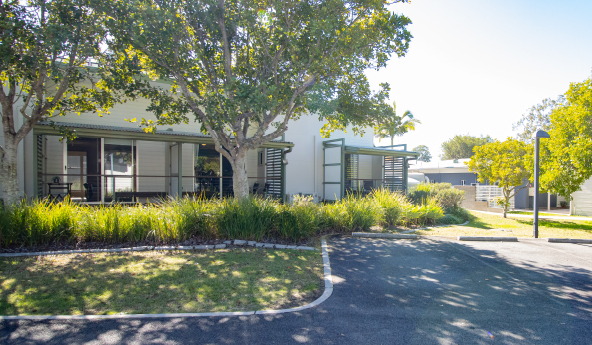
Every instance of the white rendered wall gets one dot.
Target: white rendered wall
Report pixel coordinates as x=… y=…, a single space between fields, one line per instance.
x=301 y=171
x=582 y=200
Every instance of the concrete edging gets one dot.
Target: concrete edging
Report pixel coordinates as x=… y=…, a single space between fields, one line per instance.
x=326 y=294
x=144 y=248
x=488 y=238
x=382 y=235
x=569 y=240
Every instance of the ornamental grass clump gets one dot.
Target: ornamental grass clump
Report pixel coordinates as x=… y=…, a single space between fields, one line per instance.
x=249 y=218
x=355 y=212
x=419 y=215
x=37 y=223
x=299 y=220
x=393 y=203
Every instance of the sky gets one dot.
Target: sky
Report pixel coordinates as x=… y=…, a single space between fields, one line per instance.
x=476 y=66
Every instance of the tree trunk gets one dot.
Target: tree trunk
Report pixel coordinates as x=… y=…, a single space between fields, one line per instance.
x=8 y=176
x=505 y=210
x=240 y=183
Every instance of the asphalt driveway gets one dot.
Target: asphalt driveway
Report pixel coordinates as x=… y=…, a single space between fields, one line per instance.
x=385 y=292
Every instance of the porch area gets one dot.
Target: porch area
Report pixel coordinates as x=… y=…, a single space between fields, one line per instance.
x=106 y=164
x=359 y=169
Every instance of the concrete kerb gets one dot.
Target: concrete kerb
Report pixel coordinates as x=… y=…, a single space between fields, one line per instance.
x=569 y=240
x=488 y=238
x=384 y=235
x=326 y=294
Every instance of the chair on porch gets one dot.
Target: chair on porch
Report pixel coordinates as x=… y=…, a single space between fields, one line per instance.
x=89 y=191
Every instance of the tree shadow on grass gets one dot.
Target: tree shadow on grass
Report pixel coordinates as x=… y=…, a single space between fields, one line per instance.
x=560 y=224
x=156 y=283
x=478 y=223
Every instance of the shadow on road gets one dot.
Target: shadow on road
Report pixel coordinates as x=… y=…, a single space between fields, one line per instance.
x=422 y=292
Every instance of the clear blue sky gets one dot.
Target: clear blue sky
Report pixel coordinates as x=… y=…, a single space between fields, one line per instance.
x=475 y=66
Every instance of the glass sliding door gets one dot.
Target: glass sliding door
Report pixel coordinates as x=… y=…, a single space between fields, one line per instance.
x=206 y=167
x=119 y=174
x=76 y=172
x=82 y=169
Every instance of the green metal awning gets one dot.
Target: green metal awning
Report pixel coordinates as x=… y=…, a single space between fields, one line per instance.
x=378 y=151
x=115 y=132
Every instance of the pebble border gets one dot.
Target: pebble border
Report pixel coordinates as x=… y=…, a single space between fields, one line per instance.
x=144 y=248
x=326 y=294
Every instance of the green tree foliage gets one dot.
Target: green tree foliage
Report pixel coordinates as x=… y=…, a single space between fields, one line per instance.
x=425 y=155
x=566 y=158
x=47 y=53
x=537 y=118
x=245 y=68
x=462 y=146
x=394 y=125
x=509 y=163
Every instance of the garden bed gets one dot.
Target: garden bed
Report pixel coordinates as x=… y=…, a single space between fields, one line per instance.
x=42 y=225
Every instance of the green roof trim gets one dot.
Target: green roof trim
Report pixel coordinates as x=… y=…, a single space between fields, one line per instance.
x=377 y=151
x=116 y=132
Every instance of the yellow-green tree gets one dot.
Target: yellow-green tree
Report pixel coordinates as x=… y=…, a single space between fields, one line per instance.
x=509 y=163
x=566 y=158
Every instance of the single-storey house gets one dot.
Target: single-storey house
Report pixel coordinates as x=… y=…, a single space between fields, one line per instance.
x=113 y=159
x=457 y=173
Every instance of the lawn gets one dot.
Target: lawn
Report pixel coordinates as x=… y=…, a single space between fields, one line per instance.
x=159 y=282
x=543 y=214
x=493 y=225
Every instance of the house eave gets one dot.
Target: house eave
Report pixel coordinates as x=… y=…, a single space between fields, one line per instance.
x=94 y=131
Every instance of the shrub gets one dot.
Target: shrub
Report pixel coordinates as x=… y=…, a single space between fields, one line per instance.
x=421 y=193
x=427 y=213
x=461 y=213
x=450 y=219
x=446 y=196
x=449 y=198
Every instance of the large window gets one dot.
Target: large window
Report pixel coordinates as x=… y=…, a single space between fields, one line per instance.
x=210 y=175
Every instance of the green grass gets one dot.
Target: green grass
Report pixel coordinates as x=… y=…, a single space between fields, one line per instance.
x=489 y=225
x=159 y=282
x=543 y=214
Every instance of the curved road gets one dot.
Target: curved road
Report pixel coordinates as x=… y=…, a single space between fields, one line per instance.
x=390 y=292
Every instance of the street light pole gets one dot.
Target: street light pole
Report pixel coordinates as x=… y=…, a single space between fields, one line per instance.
x=535 y=223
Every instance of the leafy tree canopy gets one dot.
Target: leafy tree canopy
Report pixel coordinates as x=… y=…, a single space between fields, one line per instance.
x=566 y=158
x=537 y=118
x=425 y=155
x=509 y=163
x=50 y=51
x=245 y=68
x=462 y=146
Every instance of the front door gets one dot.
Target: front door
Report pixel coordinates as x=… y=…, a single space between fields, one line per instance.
x=76 y=170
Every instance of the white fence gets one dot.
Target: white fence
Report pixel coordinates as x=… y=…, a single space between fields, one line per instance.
x=489 y=194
